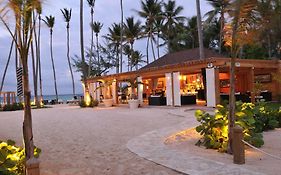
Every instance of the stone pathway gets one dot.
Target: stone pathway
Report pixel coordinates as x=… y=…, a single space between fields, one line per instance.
x=151 y=147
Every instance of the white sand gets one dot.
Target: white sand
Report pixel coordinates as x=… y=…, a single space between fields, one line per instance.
x=256 y=161
x=90 y=141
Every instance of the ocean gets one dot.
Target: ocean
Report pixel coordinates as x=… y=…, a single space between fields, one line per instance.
x=63 y=97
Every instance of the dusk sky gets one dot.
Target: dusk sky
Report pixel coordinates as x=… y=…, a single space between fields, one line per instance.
x=106 y=11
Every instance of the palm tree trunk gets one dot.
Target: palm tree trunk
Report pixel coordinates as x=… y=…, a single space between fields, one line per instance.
x=200 y=31
x=132 y=50
x=117 y=59
x=158 y=44
x=152 y=47
x=98 y=53
x=147 y=46
x=53 y=64
x=269 y=46
x=34 y=75
x=7 y=65
x=92 y=41
x=121 y=36
x=36 y=67
x=69 y=63
x=221 y=32
x=39 y=58
x=27 y=123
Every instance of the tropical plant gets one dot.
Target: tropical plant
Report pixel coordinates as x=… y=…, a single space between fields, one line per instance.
x=242 y=15
x=133 y=84
x=214 y=128
x=50 y=22
x=91 y=4
x=67 y=17
x=200 y=30
x=137 y=59
x=150 y=11
x=114 y=39
x=13 y=158
x=132 y=32
x=172 y=19
x=219 y=9
x=121 y=36
x=96 y=27
x=23 y=11
x=266 y=117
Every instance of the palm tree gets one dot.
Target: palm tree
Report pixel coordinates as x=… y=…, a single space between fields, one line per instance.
x=172 y=19
x=200 y=30
x=114 y=38
x=50 y=22
x=150 y=11
x=91 y=4
x=121 y=36
x=67 y=17
x=242 y=13
x=39 y=54
x=132 y=32
x=219 y=8
x=96 y=27
x=23 y=12
x=136 y=59
x=158 y=24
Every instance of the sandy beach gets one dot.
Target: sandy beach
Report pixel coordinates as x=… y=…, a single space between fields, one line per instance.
x=90 y=141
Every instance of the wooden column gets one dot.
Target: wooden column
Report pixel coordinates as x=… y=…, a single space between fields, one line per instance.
x=8 y=98
x=217 y=85
x=278 y=83
x=114 y=92
x=252 y=83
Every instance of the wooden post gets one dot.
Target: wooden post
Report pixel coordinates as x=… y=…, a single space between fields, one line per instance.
x=32 y=167
x=252 y=83
x=217 y=85
x=238 y=146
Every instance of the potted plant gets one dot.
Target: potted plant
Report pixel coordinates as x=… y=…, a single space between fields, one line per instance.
x=133 y=98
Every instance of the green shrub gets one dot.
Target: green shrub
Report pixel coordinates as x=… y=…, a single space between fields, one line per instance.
x=267 y=118
x=82 y=104
x=214 y=128
x=13 y=107
x=93 y=103
x=12 y=158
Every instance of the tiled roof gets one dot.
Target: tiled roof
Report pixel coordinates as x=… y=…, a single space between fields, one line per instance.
x=181 y=57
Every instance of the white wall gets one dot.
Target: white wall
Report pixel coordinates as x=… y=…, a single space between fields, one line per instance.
x=177 y=94
x=169 y=98
x=140 y=90
x=211 y=87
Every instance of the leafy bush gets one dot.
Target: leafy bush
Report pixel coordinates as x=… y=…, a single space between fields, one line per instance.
x=267 y=118
x=13 y=107
x=12 y=158
x=214 y=128
x=93 y=103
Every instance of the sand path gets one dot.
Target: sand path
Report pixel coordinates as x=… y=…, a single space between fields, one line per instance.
x=90 y=141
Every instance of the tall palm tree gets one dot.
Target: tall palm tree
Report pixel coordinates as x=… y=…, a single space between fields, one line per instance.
x=219 y=8
x=50 y=22
x=137 y=59
x=96 y=27
x=91 y=4
x=200 y=30
x=67 y=17
x=23 y=12
x=114 y=38
x=132 y=31
x=39 y=54
x=242 y=13
x=158 y=24
x=150 y=11
x=121 y=35
x=172 y=19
